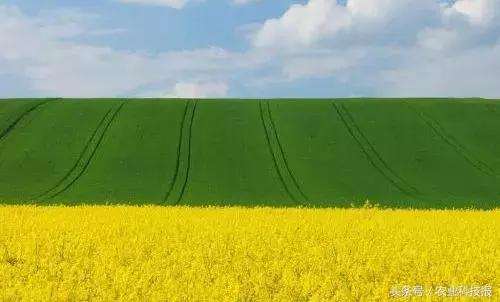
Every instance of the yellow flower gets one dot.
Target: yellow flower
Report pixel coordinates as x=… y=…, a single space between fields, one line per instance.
x=237 y=254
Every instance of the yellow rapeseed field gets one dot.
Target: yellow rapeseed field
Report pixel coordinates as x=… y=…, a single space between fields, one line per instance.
x=234 y=254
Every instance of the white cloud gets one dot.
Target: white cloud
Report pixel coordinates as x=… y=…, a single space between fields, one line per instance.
x=323 y=20
x=470 y=73
x=303 y=25
x=194 y=90
x=38 y=50
x=189 y=89
x=478 y=12
x=385 y=47
x=373 y=9
x=464 y=24
x=55 y=65
x=437 y=38
x=394 y=47
x=318 y=65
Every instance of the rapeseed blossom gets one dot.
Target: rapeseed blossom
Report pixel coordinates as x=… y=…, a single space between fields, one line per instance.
x=124 y=253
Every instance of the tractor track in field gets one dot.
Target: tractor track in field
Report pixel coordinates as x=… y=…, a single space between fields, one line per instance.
x=375 y=152
x=371 y=153
x=85 y=156
x=451 y=141
x=178 y=154
x=285 y=174
x=282 y=152
x=180 y=178
x=21 y=116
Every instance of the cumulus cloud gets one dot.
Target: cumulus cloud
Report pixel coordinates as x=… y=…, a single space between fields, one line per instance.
x=478 y=12
x=464 y=24
x=305 y=25
x=385 y=47
x=395 y=47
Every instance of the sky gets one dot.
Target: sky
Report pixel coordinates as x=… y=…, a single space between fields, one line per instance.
x=250 y=48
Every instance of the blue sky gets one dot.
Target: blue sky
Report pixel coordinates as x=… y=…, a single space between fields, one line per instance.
x=249 y=48
x=197 y=25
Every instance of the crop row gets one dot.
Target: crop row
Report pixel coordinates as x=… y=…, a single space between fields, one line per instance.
x=300 y=152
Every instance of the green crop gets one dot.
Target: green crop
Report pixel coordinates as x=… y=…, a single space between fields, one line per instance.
x=422 y=153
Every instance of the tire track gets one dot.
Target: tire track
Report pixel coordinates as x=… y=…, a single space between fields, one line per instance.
x=285 y=174
x=21 y=116
x=451 y=141
x=268 y=140
x=372 y=155
x=180 y=178
x=178 y=154
x=82 y=163
x=376 y=153
x=285 y=161
x=80 y=157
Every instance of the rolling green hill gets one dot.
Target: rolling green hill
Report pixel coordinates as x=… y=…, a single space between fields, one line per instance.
x=423 y=153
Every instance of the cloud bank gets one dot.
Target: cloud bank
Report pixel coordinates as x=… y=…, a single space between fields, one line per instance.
x=378 y=47
x=396 y=47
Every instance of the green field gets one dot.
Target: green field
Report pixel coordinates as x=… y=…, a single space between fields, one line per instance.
x=441 y=153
